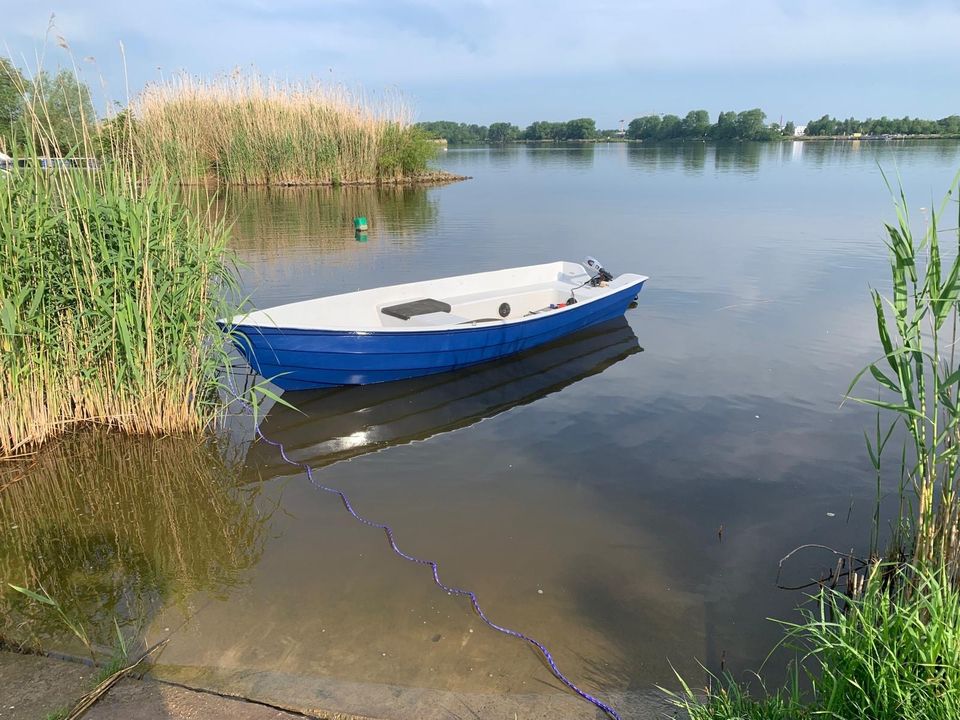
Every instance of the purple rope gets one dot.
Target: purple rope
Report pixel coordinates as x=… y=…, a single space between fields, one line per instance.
x=436 y=578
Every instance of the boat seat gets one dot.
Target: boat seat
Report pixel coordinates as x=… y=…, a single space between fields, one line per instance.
x=407 y=310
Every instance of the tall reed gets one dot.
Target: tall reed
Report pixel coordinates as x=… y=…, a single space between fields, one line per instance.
x=110 y=289
x=919 y=380
x=246 y=130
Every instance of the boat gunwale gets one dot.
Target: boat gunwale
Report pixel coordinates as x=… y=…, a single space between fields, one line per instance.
x=474 y=325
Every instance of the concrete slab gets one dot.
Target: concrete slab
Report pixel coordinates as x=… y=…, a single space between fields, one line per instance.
x=151 y=700
x=32 y=686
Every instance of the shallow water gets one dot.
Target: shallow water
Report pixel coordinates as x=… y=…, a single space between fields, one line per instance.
x=623 y=496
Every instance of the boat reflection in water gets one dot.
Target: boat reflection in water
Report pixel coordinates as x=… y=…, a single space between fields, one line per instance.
x=336 y=424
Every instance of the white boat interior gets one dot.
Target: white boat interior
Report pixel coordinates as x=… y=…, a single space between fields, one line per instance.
x=500 y=296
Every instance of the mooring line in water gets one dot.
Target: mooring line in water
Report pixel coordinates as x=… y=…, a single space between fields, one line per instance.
x=436 y=579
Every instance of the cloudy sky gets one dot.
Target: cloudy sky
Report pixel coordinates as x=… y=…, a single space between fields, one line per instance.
x=489 y=60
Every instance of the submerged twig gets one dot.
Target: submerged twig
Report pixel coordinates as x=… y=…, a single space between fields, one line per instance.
x=832 y=576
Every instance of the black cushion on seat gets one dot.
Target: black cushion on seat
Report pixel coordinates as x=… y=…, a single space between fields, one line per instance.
x=407 y=310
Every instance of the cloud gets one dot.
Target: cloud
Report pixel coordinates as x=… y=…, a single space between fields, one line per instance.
x=438 y=46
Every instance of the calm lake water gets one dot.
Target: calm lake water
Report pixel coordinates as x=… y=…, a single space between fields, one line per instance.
x=623 y=496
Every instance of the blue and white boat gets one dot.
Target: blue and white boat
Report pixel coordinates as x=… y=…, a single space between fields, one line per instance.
x=421 y=328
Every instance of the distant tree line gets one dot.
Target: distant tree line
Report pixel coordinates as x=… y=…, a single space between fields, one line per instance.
x=695 y=125
x=884 y=126
x=463 y=134
x=62 y=100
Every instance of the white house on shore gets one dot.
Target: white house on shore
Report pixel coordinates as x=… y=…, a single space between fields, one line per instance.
x=799 y=130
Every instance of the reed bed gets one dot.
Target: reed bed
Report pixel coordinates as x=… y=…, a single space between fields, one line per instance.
x=400 y=212
x=918 y=388
x=110 y=289
x=244 y=129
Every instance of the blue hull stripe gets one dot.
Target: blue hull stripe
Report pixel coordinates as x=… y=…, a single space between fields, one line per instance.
x=299 y=359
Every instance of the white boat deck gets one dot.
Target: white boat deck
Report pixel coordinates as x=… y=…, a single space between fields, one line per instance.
x=472 y=299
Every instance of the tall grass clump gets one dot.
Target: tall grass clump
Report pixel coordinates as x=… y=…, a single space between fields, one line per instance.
x=110 y=289
x=888 y=646
x=246 y=130
x=920 y=374
x=892 y=652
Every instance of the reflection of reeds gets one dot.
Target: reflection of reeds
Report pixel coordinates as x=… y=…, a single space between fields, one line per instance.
x=246 y=130
x=113 y=526
x=317 y=213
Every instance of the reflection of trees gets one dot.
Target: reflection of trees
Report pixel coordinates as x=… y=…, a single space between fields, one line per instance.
x=114 y=526
x=645 y=156
x=266 y=216
x=692 y=156
x=571 y=154
x=743 y=157
x=824 y=152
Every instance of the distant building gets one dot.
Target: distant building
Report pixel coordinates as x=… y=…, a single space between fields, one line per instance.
x=799 y=130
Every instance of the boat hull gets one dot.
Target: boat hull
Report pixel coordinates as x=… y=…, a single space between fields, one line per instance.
x=301 y=359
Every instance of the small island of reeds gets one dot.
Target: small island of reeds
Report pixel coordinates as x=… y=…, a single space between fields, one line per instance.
x=247 y=130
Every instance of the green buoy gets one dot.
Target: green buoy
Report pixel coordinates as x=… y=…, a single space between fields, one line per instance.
x=360 y=223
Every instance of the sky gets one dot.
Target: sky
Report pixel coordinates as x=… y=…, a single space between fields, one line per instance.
x=486 y=61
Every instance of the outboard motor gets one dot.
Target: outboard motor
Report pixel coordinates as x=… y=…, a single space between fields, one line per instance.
x=596 y=272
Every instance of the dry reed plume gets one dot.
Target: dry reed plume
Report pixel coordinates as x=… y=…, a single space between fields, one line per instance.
x=247 y=130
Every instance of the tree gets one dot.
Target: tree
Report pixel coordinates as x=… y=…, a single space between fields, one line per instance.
x=539 y=130
x=644 y=128
x=63 y=104
x=455 y=133
x=11 y=102
x=696 y=124
x=824 y=126
x=750 y=125
x=949 y=125
x=500 y=132
x=790 y=129
x=580 y=129
x=725 y=127
x=670 y=127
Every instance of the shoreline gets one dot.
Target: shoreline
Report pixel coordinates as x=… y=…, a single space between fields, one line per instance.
x=708 y=141
x=432 y=179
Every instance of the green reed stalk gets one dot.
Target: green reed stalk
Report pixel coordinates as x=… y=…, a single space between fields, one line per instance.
x=110 y=289
x=921 y=381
